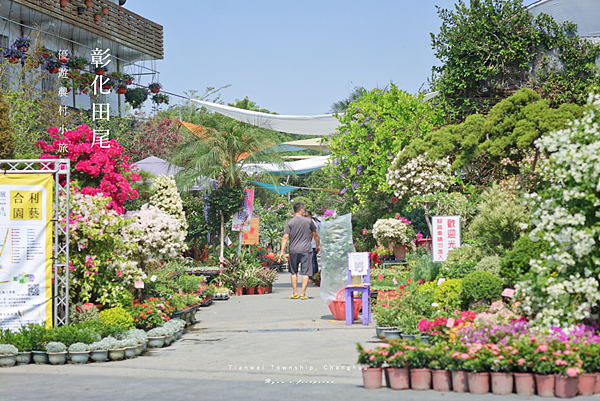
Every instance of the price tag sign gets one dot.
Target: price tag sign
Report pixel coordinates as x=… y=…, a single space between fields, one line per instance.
x=358 y=263
x=153 y=278
x=395 y=281
x=450 y=323
x=138 y=284
x=508 y=292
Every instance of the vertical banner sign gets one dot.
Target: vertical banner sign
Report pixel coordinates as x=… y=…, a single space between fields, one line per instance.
x=243 y=218
x=25 y=249
x=251 y=237
x=446 y=236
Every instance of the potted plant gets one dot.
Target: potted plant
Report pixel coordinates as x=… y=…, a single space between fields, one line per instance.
x=372 y=372
x=21 y=341
x=63 y=3
x=156 y=337
x=398 y=232
x=128 y=79
x=37 y=339
x=120 y=87
x=460 y=382
x=417 y=359
x=160 y=98
x=88 y=3
x=523 y=365
x=155 y=87
x=52 y=65
x=567 y=371
x=544 y=369
x=57 y=353
x=101 y=70
x=97 y=16
x=397 y=374
x=478 y=368
x=13 y=55
x=22 y=44
x=99 y=351
x=440 y=363
x=45 y=52
x=8 y=355
x=77 y=62
x=105 y=9
x=317 y=278
x=501 y=369
x=130 y=345
x=81 y=8
x=116 y=349
x=588 y=352
x=136 y=97
x=79 y=353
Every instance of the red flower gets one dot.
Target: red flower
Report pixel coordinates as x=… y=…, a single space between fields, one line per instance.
x=394 y=199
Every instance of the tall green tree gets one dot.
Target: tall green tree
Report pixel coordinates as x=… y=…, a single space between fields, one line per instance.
x=7 y=144
x=490 y=48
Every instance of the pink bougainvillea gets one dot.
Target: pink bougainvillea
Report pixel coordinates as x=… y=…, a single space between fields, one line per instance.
x=98 y=169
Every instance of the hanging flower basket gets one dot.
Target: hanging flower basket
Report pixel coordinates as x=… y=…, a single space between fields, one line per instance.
x=122 y=91
x=100 y=71
x=160 y=98
x=155 y=87
x=53 y=70
x=106 y=86
x=136 y=97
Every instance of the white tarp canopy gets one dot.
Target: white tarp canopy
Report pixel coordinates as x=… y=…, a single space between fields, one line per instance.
x=304 y=125
x=585 y=13
x=157 y=166
x=289 y=168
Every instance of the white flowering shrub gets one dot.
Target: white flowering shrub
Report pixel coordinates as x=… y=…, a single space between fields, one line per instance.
x=561 y=288
x=420 y=176
x=153 y=234
x=393 y=231
x=166 y=197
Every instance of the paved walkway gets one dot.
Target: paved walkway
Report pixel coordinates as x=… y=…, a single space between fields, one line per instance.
x=250 y=347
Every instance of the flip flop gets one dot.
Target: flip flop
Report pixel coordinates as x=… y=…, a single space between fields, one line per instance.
x=294 y=297
x=304 y=297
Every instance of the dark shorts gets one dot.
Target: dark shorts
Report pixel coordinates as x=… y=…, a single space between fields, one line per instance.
x=302 y=259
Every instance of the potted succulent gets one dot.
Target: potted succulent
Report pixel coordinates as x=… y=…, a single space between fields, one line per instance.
x=57 y=353
x=22 y=44
x=81 y=8
x=99 y=351
x=97 y=16
x=130 y=345
x=8 y=355
x=79 y=353
x=116 y=350
x=141 y=339
x=155 y=87
x=136 y=97
x=156 y=337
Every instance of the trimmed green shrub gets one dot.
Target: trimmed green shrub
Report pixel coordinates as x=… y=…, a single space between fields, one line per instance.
x=117 y=317
x=490 y=264
x=464 y=253
x=456 y=269
x=516 y=262
x=448 y=294
x=478 y=286
x=425 y=269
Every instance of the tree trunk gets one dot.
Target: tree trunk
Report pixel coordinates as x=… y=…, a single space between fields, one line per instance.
x=222 y=236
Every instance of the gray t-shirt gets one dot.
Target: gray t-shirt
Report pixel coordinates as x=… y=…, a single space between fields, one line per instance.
x=299 y=229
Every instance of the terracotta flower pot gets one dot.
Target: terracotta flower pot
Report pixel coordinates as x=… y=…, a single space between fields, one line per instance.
x=105 y=11
x=397 y=378
x=525 y=383
x=155 y=90
x=260 y=290
x=442 y=380
x=460 y=383
x=400 y=251
x=479 y=383
x=45 y=55
x=99 y=71
x=106 y=86
x=250 y=290
x=566 y=387
x=23 y=49
x=372 y=378
x=88 y=3
x=420 y=379
x=318 y=283
x=597 y=387
x=13 y=60
x=54 y=70
x=122 y=91
x=97 y=17
x=502 y=383
x=62 y=59
x=545 y=385
x=587 y=382
x=239 y=291
x=63 y=3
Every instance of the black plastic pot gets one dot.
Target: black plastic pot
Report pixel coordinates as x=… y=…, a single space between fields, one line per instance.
x=80 y=10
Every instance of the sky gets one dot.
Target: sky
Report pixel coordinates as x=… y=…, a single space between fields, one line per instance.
x=294 y=57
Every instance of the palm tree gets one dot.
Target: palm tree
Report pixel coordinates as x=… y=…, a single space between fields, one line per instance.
x=220 y=152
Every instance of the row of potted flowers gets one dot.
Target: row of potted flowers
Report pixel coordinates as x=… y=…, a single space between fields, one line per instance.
x=526 y=365
x=133 y=343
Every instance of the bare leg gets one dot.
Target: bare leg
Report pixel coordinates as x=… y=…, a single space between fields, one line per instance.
x=304 y=285
x=295 y=283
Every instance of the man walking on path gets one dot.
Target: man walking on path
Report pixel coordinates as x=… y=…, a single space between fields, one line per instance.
x=315 y=264
x=300 y=231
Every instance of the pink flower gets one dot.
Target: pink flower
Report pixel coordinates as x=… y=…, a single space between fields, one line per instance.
x=364 y=231
x=371 y=357
x=380 y=277
x=542 y=348
x=455 y=355
x=521 y=361
x=572 y=372
x=464 y=356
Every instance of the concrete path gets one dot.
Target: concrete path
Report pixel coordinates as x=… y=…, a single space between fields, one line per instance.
x=249 y=347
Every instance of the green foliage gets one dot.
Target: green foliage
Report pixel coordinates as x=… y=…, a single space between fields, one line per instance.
x=516 y=262
x=193 y=206
x=223 y=201
x=425 y=269
x=490 y=264
x=497 y=226
x=379 y=125
x=478 y=286
x=479 y=144
x=7 y=144
x=444 y=204
x=117 y=317
x=457 y=269
x=72 y=334
x=136 y=97
x=489 y=47
x=448 y=294
x=78 y=314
